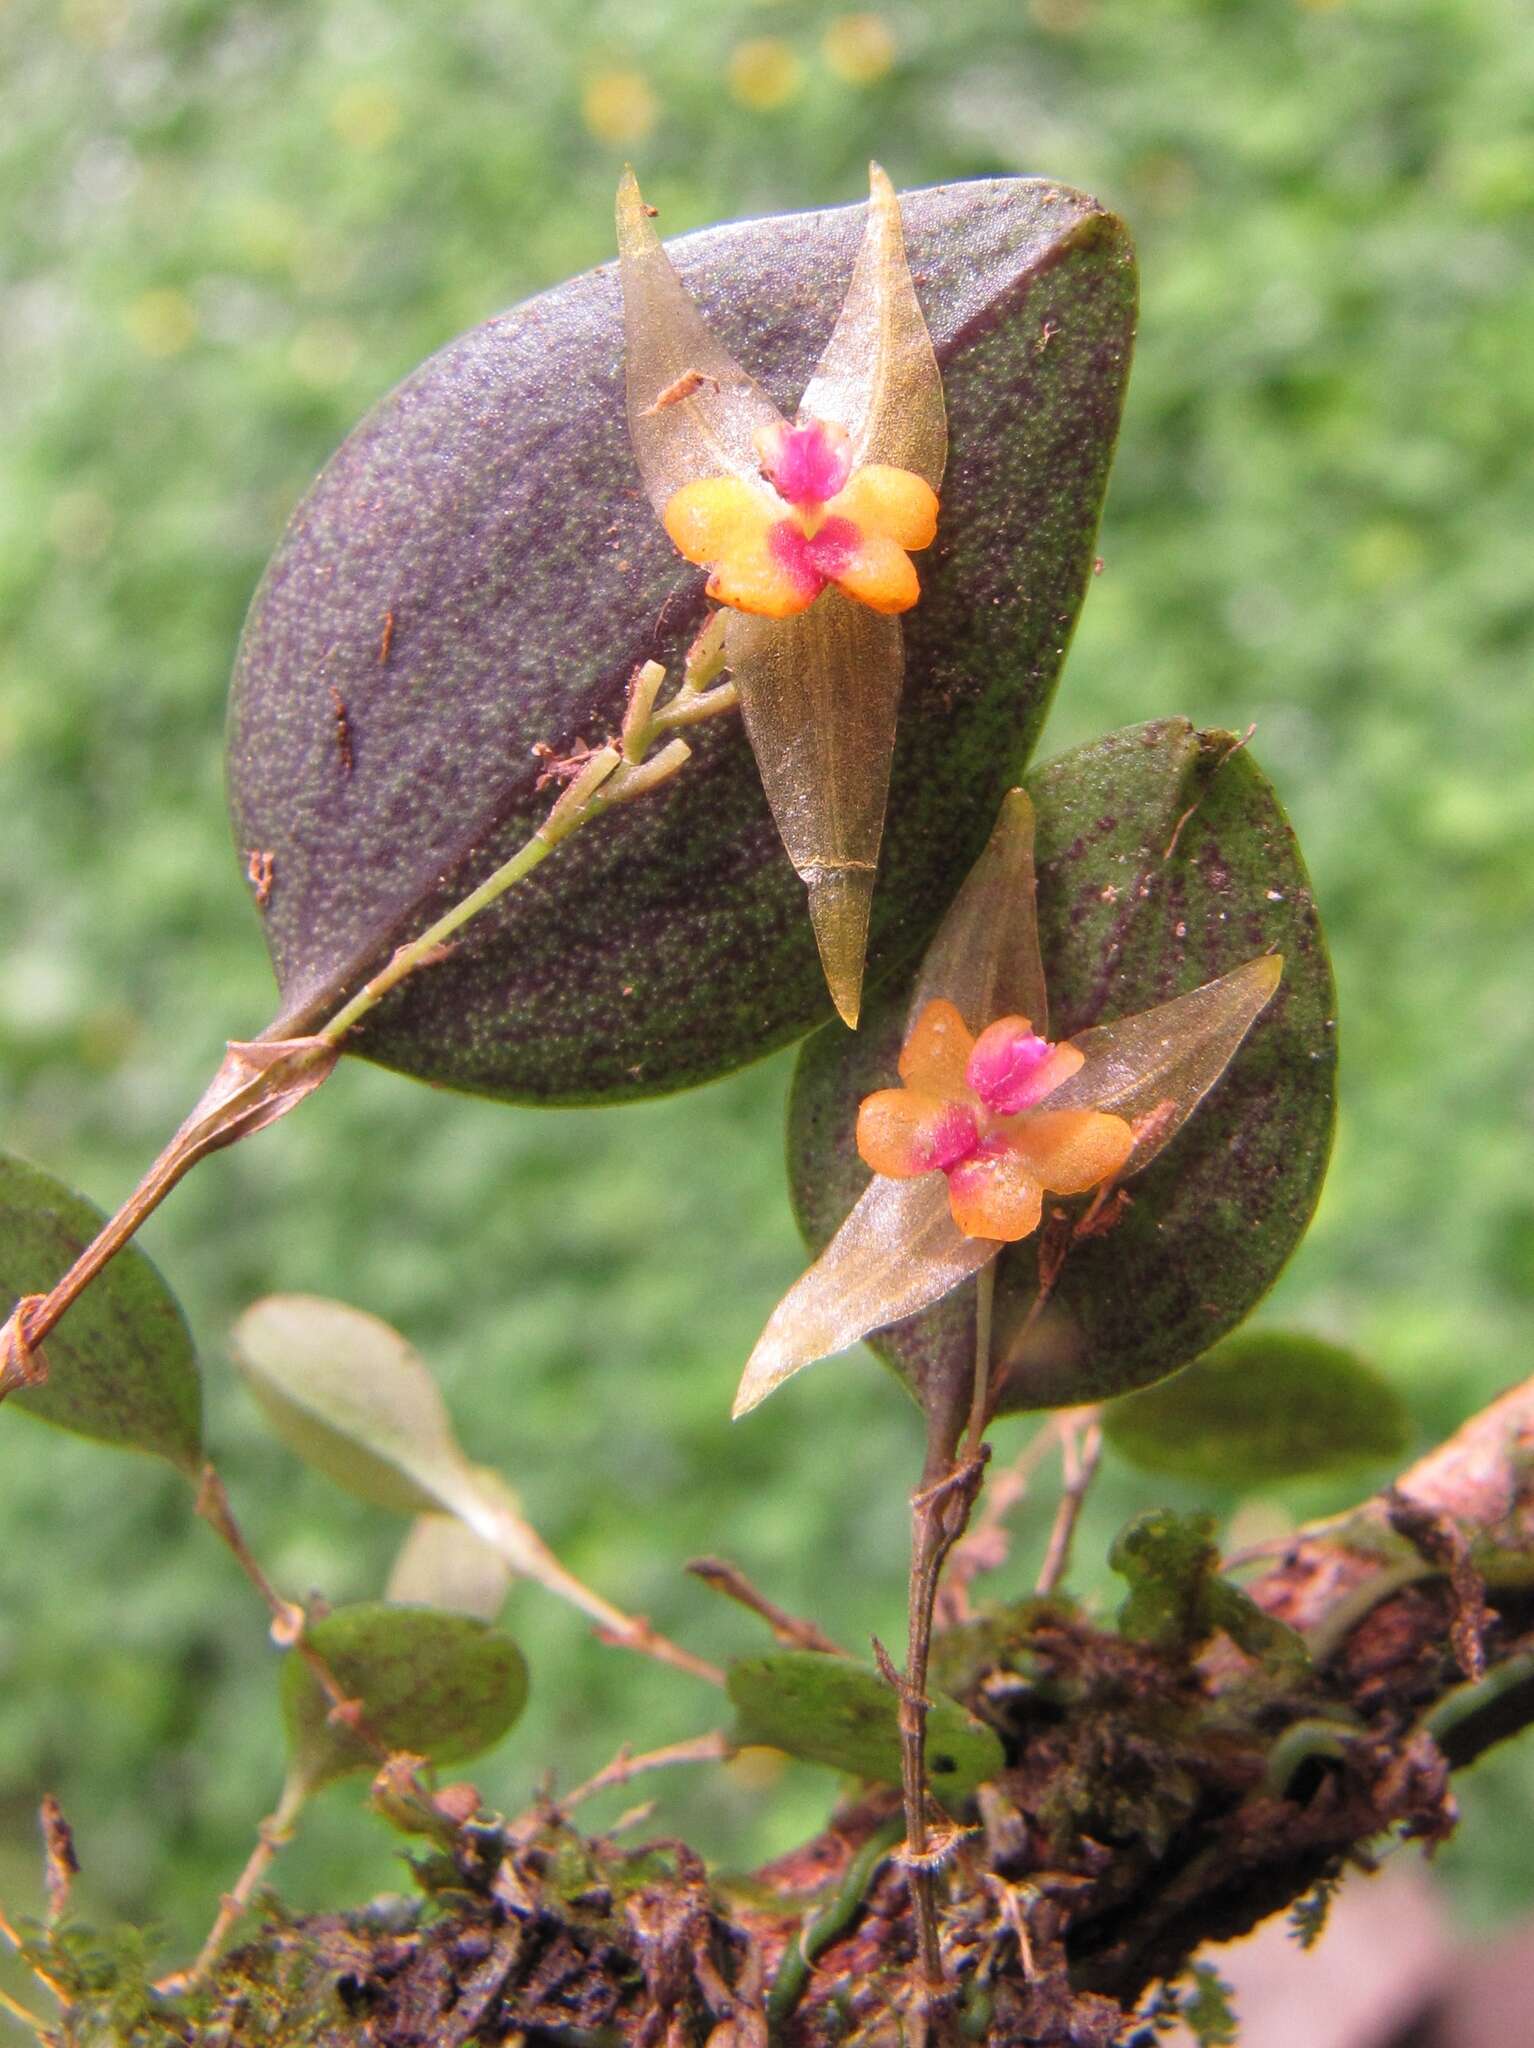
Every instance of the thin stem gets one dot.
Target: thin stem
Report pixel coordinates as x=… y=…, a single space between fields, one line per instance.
x=271 y=1836
x=1081 y=1456
x=289 y=1621
x=525 y=1550
x=18 y=2011
x=614 y=774
x=260 y=1081
x=939 y=1514
x=255 y=1084
x=791 y=1630
x=713 y=1748
x=985 y=1299
x=10 y=1934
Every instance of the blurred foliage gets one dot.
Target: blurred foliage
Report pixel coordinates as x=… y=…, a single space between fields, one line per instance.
x=231 y=226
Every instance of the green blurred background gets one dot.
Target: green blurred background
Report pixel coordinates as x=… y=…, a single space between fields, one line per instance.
x=228 y=229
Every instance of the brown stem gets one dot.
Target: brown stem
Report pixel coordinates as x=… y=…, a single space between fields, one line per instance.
x=289 y=1621
x=791 y=1630
x=940 y=1512
x=271 y=1836
x=1081 y=1455
x=713 y=1748
x=256 y=1083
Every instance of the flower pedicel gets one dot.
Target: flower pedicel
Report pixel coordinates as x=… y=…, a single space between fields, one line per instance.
x=807 y=529
x=991 y=1116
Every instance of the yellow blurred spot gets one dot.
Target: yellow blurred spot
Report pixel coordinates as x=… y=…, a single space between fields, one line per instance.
x=95 y=24
x=366 y=116
x=163 y=323
x=859 y=48
x=764 y=73
x=618 y=107
x=756 y=1767
x=269 y=235
x=1320 y=6
x=1384 y=555
x=323 y=353
x=80 y=525
x=1061 y=17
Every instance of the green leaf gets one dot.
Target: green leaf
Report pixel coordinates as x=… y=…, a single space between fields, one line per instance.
x=1163 y=862
x=352 y=1398
x=830 y=1710
x=478 y=571
x=1176 y=1597
x=121 y=1367
x=443 y=1686
x=441 y=1563
x=1262 y=1406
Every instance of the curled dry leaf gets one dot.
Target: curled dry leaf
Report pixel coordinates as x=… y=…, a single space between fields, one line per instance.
x=782 y=512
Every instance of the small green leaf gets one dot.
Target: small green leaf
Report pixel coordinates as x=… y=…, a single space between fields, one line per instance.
x=830 y=1710
x=441 y=1563
x=1164 y=861
x=352 y=1398
x=121 y=1367
x=443 y=1686
x=1266 y=1405
x=1177 y=1598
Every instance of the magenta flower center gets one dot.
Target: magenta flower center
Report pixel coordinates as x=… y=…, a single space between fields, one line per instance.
x=807 y=464
x=1004 y=1069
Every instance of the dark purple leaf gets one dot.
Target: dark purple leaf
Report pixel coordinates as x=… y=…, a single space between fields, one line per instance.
x=478 y=571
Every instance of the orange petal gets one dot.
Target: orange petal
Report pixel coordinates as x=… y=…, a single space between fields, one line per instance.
x=879 y=574
x=713 y=517
x=1070 y=1150
x=937 y=1051
x=903 y=1132
x=727 y=524
x=891 y=502
x=994 y=1195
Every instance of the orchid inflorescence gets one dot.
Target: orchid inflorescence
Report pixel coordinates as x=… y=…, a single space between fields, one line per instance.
x=807 y=528
x=991 y=1115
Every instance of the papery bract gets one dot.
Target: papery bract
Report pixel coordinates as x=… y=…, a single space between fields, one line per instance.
x=901 y=1248
x=806 y=529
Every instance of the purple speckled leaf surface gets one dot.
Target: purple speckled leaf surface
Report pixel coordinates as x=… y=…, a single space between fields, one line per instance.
x=478 y=571
x=1164 y=861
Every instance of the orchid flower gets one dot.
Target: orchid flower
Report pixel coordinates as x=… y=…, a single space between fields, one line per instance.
x=807 y=529
x=991 y=1115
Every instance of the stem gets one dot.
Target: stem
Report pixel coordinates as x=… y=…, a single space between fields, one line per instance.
x=940 y=1513
x=1081 y=1457
x=525 y=1550
x=289 y=1621
x=256 y=1083
x=713 y=1748
x=790 y=1630
x=18 y=2011
x=262 y=1080
x=271 y=1836
x=818 y=1934
x=985 y=1298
